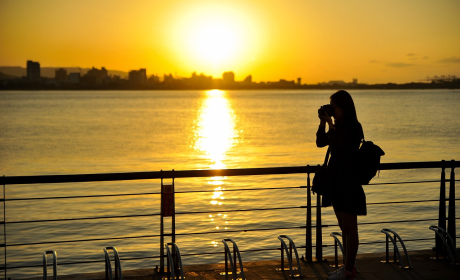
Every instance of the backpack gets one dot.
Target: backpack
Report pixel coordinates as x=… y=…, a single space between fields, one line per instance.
x=368 y=161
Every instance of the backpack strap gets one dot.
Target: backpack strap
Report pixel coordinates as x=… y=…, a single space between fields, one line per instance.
x=326 y=159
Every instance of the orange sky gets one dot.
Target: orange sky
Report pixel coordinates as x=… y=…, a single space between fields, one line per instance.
x=374 y=41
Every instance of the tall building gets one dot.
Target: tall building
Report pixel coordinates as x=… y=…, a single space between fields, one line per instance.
x=138 y=77
x=33 y=71
x=299 y=81
x=248 y=79
x=74 y=78
x=60 y=74
x=228 y=77
x=96 y=76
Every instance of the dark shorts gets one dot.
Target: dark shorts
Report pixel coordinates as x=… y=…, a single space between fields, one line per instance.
x=350 y=199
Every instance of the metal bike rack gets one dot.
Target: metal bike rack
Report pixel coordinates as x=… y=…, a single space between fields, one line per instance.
x=108 y=266
x=337 y=243
x=444 y=237
x=388 y=233
x=45 y=264
x=174 y=261
x=228 y=256
x=284 y=248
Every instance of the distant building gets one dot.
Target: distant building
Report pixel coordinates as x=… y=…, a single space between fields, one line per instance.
x=168 y=80
x=228 y=78
x=248 y=79
x=138 y=77
x=60 y=74
x=299 y=81
x=96 y=76
x=74 y=78
x=33 y=71
x=153 y=80
x=355 y=81
x=336 y=83
x=200 y=81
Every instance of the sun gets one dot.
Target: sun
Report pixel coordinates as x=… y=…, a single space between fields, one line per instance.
x=214 y=39
x=215 y=42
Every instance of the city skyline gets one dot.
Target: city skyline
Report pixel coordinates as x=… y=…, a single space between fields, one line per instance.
x=315 y=41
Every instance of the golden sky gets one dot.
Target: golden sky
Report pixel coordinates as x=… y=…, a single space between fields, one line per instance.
x=372 y=40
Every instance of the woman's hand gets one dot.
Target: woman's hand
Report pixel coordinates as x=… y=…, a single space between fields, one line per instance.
x=325 y=119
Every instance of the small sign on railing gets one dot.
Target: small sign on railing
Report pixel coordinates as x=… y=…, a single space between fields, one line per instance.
x=168 y=200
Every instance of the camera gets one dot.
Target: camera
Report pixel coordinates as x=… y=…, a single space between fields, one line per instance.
x=326 y=108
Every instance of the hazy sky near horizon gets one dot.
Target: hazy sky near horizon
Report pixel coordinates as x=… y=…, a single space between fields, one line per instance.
x=373 y=41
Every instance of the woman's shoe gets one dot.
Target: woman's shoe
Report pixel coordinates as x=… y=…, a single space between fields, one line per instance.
x=343 y=275
x=335 y=271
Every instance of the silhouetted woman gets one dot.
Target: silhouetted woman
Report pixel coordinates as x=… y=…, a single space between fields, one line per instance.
x=344 y=193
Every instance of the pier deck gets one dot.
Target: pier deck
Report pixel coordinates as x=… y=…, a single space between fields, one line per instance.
x=369 y=266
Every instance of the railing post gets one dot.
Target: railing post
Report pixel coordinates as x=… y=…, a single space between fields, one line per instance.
x=442 y=207
x=308 y=237
x=282 y=256
x=226 y=263
x=387 y=249
x=319 y=230
x=167 y=210
x=162 y=248
x=451 y=218
x=4 y=222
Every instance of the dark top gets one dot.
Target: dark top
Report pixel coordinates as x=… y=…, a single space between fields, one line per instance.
x=344 y=191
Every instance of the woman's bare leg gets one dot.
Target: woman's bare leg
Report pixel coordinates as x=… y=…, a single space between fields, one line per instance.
x=349 y=226
x=344 y=234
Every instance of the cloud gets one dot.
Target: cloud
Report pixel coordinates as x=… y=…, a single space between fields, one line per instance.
x=373 y=61
x=399 y=64
x=453 y=59
x=425 y=57
x=411 y=54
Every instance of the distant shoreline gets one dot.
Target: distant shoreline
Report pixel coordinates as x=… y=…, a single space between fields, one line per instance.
x=251 y=87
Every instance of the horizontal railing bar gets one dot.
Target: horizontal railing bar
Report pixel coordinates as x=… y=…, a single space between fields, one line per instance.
x=241 y=230
x=404 y=221
x=385 y=222
x=81 y=219
x=82 y=240
x=77 y=196
x=410 y=182
x=240 y=210
x=149 y=215
x=412 y=201
x=233 y=190
x=9 y=180
x=135 y=194
x=405 y=240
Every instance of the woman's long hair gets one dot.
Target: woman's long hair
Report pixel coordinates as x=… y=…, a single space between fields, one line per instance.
x=343 y=100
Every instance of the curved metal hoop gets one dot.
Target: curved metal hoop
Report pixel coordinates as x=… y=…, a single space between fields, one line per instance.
x=229 y=256
x=444 y=237
x=108 y=266
x=289 y=255
x=174 y=260
x=338 y=243
x=45 y=264
x=388 y=233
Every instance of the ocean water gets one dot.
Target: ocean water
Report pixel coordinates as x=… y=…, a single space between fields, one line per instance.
x=75 y=132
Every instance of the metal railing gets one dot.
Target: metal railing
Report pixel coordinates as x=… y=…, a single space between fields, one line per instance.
x=444 y=222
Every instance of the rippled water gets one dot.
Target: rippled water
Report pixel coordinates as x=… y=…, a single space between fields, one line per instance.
x=73 y=132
